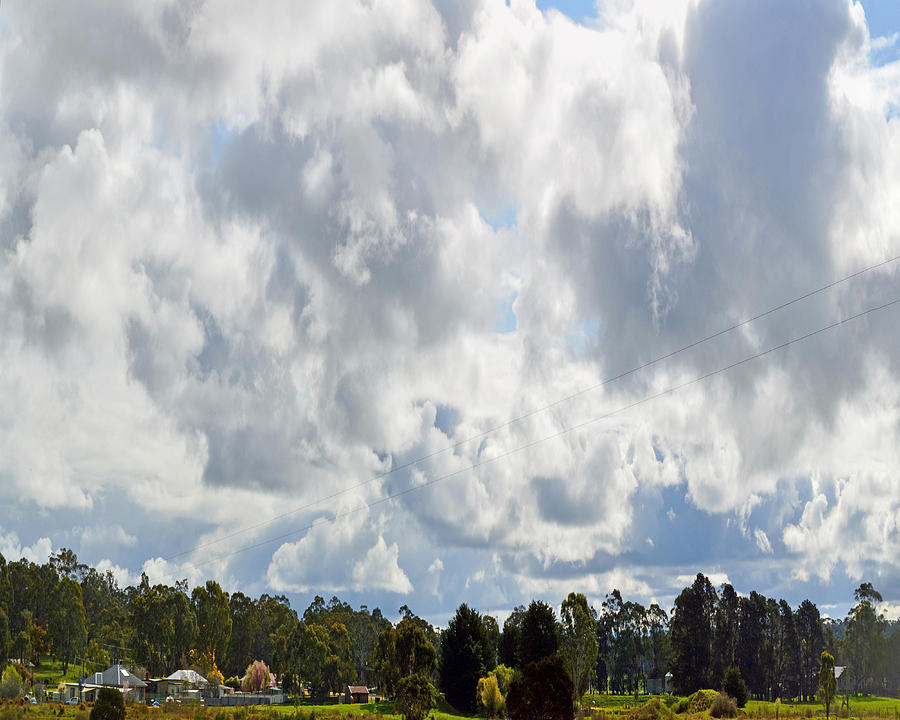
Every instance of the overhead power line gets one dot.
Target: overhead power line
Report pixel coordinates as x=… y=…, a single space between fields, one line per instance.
x=552 y=436
x=531 y=413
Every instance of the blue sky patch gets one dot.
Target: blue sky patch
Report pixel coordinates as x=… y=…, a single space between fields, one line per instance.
x=500 y=220
x=505 y=320
x=577 y=10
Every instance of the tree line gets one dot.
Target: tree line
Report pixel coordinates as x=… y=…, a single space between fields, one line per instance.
x=78 y=614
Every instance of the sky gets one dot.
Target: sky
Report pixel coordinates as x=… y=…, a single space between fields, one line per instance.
x=323 y=298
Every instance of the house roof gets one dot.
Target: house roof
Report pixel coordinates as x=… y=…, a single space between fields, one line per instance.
x=189 y=676
x=118 y=675
x=358 y=689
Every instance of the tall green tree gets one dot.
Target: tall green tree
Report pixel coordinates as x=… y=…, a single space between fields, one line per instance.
x=401 y=651
x=827 y=681
x=811 y=642
x=692 y=635
x=726 y=632
x=105 y=609
x=788 y=653
x=863 y=641
x=543 y=691
x=213 y=614
x=65 y=563
x=68 y=626
x=493 y=630
x=510 y=638
x=540 y=634
x=464 y=657
x=578 y=641
x=751 y=644
x=284 y=653
x=365 y=630
x=4 y=638
x=6 y=596
x=244 y=618
x=657 y=648
x=325 y=657
x=164 y=625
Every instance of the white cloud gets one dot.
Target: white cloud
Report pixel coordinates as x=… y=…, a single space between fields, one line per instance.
x=38 y=552
x=247 y=260
x=122 y=575
x=379 y=570
x=101 y=536
x=762 y=541
x=348 y=554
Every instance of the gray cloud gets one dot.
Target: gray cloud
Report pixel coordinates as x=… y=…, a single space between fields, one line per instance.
x=250 y=259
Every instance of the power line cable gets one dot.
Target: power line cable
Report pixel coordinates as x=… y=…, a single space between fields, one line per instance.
x=531 y=413
x=559 y=433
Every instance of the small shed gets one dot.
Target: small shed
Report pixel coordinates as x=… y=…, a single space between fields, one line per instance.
x=356 y=694
x=842 y=678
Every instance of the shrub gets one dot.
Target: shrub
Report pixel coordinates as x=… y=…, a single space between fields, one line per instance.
x=669 y=699
x=10 y=684
x=110 y=705
x=681 y=705
x=723 y=706
x=653 y=709
x=734 y=686
x=256 y=677
x=414 y=697
x=491 y=702
x=504 y=677
x=701 y=701
x=544 y=690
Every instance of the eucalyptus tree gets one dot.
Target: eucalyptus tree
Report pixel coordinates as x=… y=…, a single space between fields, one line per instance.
x=578 y=641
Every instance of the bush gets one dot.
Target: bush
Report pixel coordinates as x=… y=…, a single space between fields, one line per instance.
x=414 y=697
x=256 y=678
x=110 y=705
x=544 y=690
x=681 y=705
x=723 y=706
x=669 y=699
x=10 y=684
x=734 y=686
x=701 y=701
x=504 y=677
x=653 y=709
x=491 y=702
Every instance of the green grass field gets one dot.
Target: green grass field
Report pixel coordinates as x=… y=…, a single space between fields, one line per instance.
x=50 y=673
x=597 y=707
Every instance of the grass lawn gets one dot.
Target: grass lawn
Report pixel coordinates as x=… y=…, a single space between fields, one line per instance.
x=384 y=709
x=870 y=706
x=602 y=707
x=50 y=673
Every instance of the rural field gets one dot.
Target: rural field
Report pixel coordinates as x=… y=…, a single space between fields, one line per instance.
x=599 y=707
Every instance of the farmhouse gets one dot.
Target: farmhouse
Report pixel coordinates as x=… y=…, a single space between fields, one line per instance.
x=356 y=694
x=131 y=686
x=180 y=685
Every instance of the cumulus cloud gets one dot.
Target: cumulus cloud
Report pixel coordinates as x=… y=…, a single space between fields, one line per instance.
x=252 y=259
x=122 y=575
x=38 y=552
x=348 y=554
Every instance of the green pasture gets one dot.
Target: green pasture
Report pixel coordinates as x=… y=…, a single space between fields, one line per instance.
x=602 y=707
x=51 y=674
